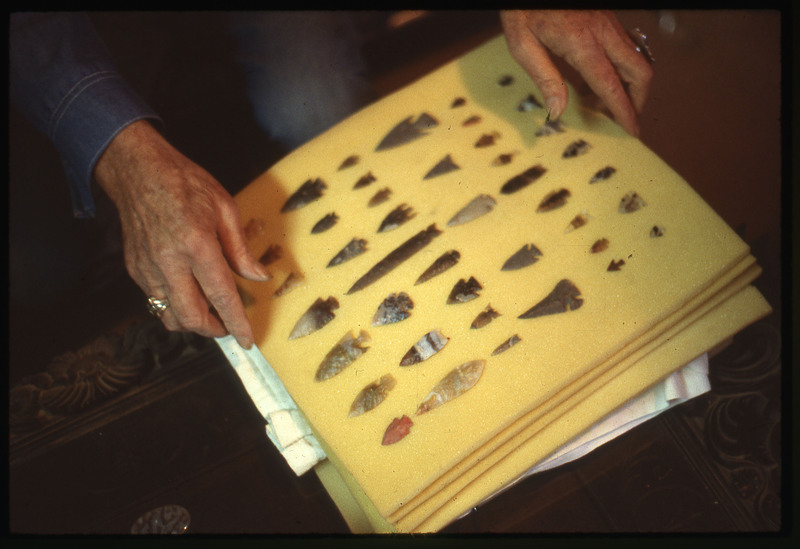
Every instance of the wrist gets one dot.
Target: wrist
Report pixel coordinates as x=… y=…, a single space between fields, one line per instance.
x=125 y=155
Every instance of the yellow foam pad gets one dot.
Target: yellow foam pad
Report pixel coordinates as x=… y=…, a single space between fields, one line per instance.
x=359 y=516
x=567 y=420
x=659 y=366
x=728 y=285
x=659 y=276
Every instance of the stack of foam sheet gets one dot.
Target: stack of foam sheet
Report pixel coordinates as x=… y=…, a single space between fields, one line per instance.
x=461 y=288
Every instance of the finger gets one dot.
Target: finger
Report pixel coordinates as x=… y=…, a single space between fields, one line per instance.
x=533 y=57
x=170 y=279
x=161 y=293
x=189 y=309
x=167 y=316
x=601 y=76
x=150 y=280
x=214 y=276
x=234 y=244
x=631 y=64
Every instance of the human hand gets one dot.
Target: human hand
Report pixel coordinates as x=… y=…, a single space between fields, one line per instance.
x=592 y=42
x=181 y=233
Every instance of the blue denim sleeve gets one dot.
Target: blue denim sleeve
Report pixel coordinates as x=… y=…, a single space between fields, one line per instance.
x=62 y=79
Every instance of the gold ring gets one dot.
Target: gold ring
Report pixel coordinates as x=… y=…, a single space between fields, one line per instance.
x=157 y=306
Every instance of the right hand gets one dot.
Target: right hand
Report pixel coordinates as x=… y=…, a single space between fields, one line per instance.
x=592 y=42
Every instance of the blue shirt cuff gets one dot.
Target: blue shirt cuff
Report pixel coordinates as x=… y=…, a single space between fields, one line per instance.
x=93 y=114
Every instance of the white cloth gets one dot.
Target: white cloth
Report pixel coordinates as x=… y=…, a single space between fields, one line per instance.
x=286 y=427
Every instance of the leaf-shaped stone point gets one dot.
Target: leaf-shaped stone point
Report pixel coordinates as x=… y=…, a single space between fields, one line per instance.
x=355 y=247
x=317 y=316
x=478 y=206
x=342 y=355
x=372 y=395
x=307 y=193
x=407 y=130
x=527 y=255
x=631 y=202
x=396 y=257
x=442 y=263
x=398 y=429
x=454 y=384
x=427 y=346
x=554 y=200
x=445 y=165
x=464 y=290
x=564 y=297
x=394 y=308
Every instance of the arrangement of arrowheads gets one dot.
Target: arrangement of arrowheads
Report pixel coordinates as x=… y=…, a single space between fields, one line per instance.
x=460 y=286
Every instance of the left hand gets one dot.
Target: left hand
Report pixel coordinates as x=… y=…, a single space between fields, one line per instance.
x=592 y=42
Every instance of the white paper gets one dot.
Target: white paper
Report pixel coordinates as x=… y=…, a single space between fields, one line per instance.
x=688 y=382
x=684 y=384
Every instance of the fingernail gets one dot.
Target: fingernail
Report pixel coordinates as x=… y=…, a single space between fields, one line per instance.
x=553 y=109
x=263 y=273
